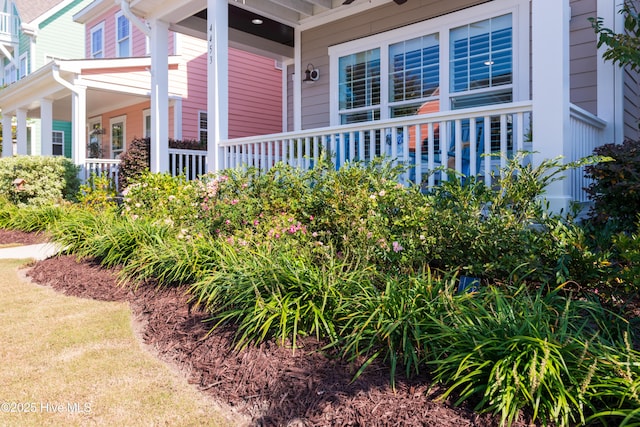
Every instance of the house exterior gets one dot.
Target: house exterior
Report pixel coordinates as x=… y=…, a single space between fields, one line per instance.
x=429 y=83
x=30 y=34
x=103 y=94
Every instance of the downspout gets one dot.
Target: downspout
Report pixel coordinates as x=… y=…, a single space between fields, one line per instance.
x=142 y=26
x=77 y=126
x=56 y=76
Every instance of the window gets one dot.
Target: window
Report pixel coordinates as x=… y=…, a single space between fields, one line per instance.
x=146 y=123
x=481 y=56
x=9 y=74
x=57 y=143
x=23 y=66
x=202 y=127
x=118 y=133
x=359 y=86
x=123 y=36
x=460 y=60
x=97 y=41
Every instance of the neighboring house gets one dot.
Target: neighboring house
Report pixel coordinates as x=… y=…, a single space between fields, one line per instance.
x=425 y=82
x=31 y=32
x=104 y=93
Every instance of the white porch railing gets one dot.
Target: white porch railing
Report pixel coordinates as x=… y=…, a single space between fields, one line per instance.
x=190 y=163
x=453 y=139
x=98 y=167
x=9 y=24
x=587 y=133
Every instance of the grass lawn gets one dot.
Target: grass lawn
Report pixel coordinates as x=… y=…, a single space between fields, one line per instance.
x=69 y=361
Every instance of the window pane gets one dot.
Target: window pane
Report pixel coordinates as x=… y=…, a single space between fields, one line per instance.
x=481 y=54
x=413 y=68
x=359 y=80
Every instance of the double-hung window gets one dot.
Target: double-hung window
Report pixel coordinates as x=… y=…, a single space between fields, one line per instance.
x=202 y=127
x=97 y=41
x=123 y=36
x=57 y=143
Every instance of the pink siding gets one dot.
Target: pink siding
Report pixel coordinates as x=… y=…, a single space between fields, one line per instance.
x=139 y=45
x=255 y=85
x=255 y=95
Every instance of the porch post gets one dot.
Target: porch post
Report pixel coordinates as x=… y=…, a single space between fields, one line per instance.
x=159 y=42
x=610 y=78
x=177 y=119
x=7 y=134
x=78 y=125
x=217 y=80
x=46 y=133
x=550 y=80
x=21 y=131
x=297 y=82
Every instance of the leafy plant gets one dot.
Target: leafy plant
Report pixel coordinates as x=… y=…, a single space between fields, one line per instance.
x=38 y=181
x=615 y=189
x=135 y=161
x=623 y=48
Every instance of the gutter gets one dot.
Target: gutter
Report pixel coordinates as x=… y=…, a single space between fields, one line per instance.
x=55 y=71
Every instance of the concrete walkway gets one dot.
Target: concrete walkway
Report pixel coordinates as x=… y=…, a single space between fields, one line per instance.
x=37 y=252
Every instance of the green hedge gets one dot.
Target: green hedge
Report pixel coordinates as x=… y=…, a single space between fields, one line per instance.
x=46 y=179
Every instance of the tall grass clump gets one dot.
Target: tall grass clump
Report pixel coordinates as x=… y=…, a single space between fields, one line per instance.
x=275 y=291
x=530 y=351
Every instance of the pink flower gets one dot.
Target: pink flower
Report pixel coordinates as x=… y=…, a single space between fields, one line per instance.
x=397 y=247
x=227 y=222
x=234 y=202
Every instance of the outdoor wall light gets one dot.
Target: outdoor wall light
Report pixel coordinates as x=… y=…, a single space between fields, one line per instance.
x=311 y=74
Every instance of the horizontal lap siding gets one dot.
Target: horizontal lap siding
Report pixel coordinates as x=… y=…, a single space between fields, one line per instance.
x=191 y=82
x=255 y=95
x=583 y=56
x=631 y=104
x=316 y=41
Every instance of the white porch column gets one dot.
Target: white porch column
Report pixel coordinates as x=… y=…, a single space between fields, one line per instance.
x=46 y=123
x=7 y=134
x=78 y=125
x=550 y=75
x=611 y=78
x=217 y=80
x=177 y=119
x=159 y=43
x=297 y=79
x=21 y=131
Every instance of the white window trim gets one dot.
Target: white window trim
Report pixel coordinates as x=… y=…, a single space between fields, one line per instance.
x=113 y=120
x=200 y=130
x=117 y=44
x=145 y=113
x=442 y=25
x=23 y=72
x=94 y=29
x=52 y=143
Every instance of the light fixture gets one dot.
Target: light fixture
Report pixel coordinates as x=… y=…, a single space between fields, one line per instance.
x=487 y=63
x=257 y=21
x=311 y=74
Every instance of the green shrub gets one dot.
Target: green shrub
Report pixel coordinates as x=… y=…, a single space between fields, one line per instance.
x=162 y=199
x=47 y=180
x=615 y=189
x=98 y=193
x=135 y=161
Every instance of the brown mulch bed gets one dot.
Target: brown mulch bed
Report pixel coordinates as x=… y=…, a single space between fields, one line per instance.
x=10 y=237
x=269 y=382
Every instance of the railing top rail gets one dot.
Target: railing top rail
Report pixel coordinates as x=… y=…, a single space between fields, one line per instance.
x=103 y=161
x=490 y=110
x=587 y=117
x=186 y=151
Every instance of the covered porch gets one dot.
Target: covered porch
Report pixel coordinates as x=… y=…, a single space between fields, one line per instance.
x=342 y=89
